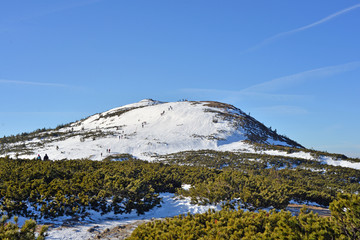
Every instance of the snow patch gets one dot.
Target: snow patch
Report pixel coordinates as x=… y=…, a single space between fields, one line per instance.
x=171 y=206
x=342 y=163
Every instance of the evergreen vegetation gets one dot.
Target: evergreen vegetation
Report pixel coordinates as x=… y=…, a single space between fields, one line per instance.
x=71 y=187
x=231 y=224
x=48 y=189
x=11 y=231
x=262 y=180
x=346 y=213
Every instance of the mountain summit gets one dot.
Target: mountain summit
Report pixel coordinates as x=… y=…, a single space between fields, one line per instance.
x=146 y=129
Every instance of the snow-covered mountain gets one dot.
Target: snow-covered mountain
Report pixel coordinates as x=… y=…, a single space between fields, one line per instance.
x=147 y=129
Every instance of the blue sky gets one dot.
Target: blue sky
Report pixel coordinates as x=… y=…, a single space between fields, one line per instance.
x=293 y=65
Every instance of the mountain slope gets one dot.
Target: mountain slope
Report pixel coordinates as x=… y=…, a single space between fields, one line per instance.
x=146 y=129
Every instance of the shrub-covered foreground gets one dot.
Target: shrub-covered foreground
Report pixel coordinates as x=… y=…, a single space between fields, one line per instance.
x=231 y=224
x=48 y=189
x=260 y=181
x=11 y=231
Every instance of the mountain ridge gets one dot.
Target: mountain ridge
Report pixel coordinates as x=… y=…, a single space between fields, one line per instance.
x=148 y=128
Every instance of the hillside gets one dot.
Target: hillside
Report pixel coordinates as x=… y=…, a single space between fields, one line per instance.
x=147 y=129
x=208 y=155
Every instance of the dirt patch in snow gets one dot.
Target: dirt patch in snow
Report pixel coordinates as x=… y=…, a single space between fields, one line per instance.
x=119 y=232
x=295 y=209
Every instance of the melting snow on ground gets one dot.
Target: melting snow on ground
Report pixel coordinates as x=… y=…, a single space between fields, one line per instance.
x=169 y=208
x=341 y=163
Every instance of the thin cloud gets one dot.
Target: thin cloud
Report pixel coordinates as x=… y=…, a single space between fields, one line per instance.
x=303 y=28
x=269 y=90
x=44 y=113
x=288 y=81
x=244 y=93
x=32 y=83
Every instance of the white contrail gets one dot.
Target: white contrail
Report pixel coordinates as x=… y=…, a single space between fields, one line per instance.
x=32 y=83
x=325 y=19
x=290 y=80
x=321 y=21
x=271 y=88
